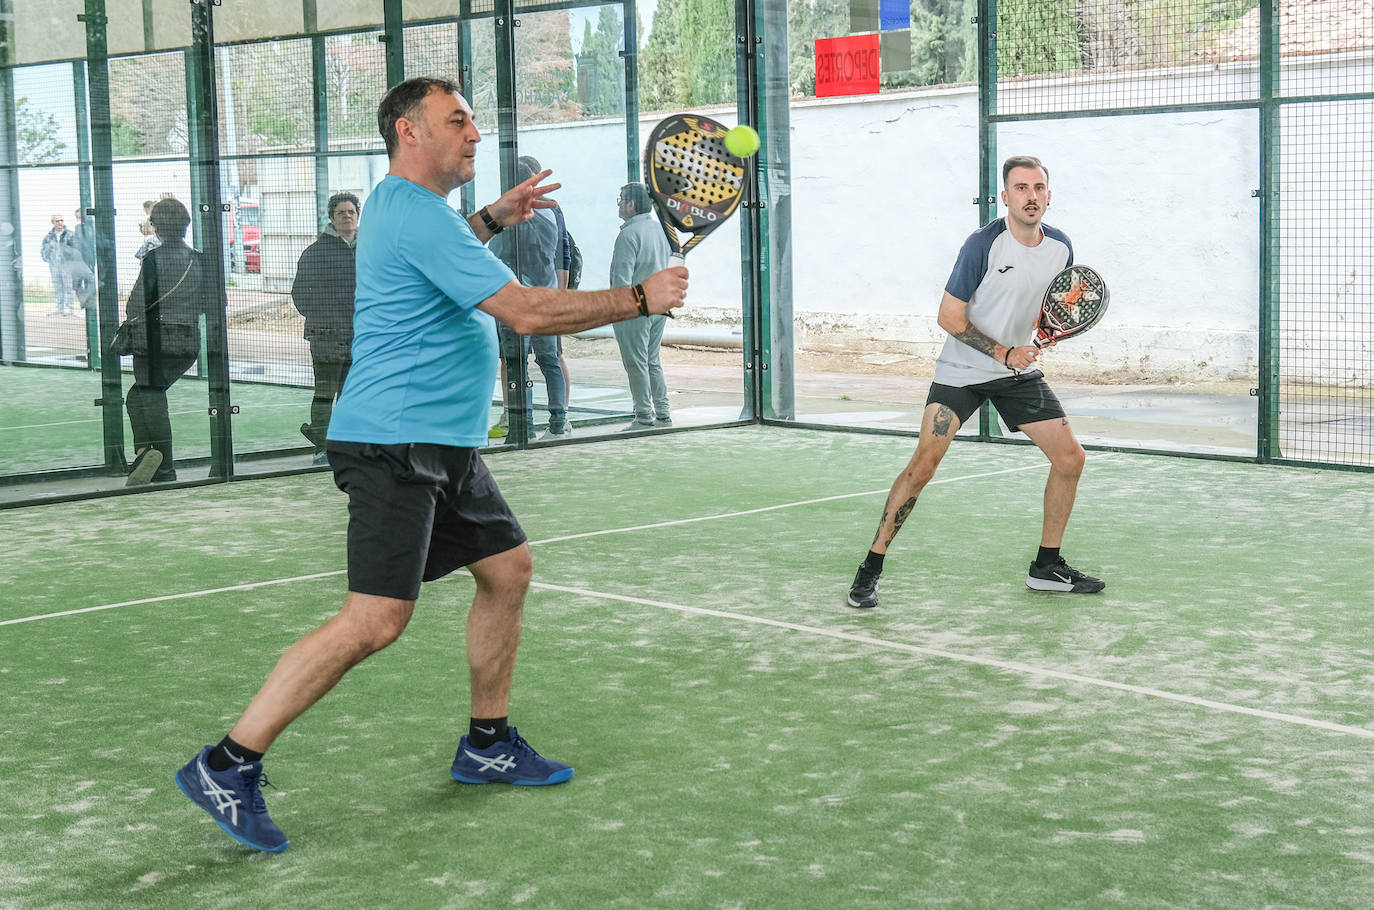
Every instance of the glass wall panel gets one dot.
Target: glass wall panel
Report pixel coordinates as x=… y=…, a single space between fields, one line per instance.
x=1158 y=204
x=351 y=14
x=355 y=80
x=264 y=97
x=47 y=31
x=259 y=19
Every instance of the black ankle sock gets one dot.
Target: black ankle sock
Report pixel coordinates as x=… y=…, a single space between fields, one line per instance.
x=1046 y=556
x=874 y=562
x=229 y=753
x=483 y=731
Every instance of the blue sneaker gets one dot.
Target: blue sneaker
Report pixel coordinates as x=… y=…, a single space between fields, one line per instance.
x=234 y=800
x=512 y=762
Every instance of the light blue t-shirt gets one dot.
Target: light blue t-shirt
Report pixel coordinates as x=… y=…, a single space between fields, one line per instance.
x=424 y=356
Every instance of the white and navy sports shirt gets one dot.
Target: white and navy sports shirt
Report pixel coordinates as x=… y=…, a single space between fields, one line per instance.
x=1003 y=283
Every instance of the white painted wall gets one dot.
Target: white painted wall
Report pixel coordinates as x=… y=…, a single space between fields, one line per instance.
x=882 y=191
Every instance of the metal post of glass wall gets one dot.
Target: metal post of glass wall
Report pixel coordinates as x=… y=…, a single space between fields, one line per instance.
x=988 y=183
x=11 y=245
x=755 y=341
x=518 y=382
x=630 y=55
x=11 y=248
x=392 y=23
x=99 y=188
x=1268 y=385
x=320 y=111
x=771 y=214
x=207 y=202
x=89 y=222
x=468 y=194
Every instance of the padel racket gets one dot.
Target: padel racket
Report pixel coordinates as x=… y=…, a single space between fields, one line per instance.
x=1074 y=302
x=695 y=182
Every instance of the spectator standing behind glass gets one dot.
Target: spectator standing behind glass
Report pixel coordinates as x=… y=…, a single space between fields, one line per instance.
x=537 y=242
x=326 y=278
x=640 y=250
x=175 y=285
x=54 y=253
x=81 y=260
x=145 y=227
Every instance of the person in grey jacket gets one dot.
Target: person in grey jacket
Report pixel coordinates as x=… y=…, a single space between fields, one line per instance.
x=326 y=278
x=54 y=252
x=640 y=250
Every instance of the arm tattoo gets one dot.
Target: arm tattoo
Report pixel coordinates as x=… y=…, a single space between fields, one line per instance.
x=943 y=418
x=974 y=338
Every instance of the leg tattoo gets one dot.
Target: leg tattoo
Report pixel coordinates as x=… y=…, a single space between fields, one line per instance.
x=943 y=418
x=901 y=517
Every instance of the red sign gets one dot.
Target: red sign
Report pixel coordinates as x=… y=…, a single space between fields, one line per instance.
x=846 y=66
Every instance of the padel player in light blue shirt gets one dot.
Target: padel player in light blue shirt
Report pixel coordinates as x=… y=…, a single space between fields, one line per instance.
x=424 y=355
x=403 y=442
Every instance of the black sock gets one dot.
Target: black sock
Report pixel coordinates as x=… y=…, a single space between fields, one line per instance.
x=483 y=731
x=229 y=753
x=874 y=562
x=1046 y=556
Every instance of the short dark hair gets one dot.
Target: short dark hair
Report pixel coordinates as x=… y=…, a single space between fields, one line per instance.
x=343 y=197
x=402 y=101
x=637 y=194
x=170 y=219
x=1016 y=161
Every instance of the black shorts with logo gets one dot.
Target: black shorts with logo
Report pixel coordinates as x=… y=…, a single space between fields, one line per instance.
x=1021 y=399
x=417 y=512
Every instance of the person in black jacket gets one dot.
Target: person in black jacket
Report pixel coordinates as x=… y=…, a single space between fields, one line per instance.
x=176 y=284
x=326 y=278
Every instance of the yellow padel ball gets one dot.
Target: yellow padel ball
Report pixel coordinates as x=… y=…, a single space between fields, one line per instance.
x=742 y=141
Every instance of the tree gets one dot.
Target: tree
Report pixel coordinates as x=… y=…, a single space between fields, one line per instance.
x=808 y=20
x=600 y=68
x=37 y=134
x=148 y=105
x=944 y=44
x=689 y=60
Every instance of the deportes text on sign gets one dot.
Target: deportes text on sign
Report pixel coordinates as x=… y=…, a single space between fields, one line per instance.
x=847 y=66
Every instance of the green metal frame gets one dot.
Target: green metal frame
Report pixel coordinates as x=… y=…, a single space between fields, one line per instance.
x=97 y=197
x=1268 y=384
x=203 y=111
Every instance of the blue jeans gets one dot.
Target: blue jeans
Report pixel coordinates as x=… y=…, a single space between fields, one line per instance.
x=546 y=349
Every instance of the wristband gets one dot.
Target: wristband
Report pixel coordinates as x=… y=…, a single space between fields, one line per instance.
x=641 y=300
x=492 y=224
x=1006 y=359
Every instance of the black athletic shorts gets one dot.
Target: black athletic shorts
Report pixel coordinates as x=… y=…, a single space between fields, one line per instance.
x=1021 y=399
x=417 y=512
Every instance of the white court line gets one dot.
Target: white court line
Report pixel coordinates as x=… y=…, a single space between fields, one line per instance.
x=785 y=505
x=661 y=524
x=152 y=600
x=1013 y=665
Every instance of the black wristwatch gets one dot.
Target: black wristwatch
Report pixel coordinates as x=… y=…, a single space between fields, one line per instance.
x=492 y=224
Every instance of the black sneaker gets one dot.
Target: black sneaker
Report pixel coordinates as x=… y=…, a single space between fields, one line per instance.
x=1062 y=577
x=863 y=593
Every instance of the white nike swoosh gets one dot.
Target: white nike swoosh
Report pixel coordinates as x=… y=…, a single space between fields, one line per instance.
x=490 y=732
x=233 y=756
x=1064 y=578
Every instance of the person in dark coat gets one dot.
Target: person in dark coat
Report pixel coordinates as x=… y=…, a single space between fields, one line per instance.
x=176 y=284
x=323 y=292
